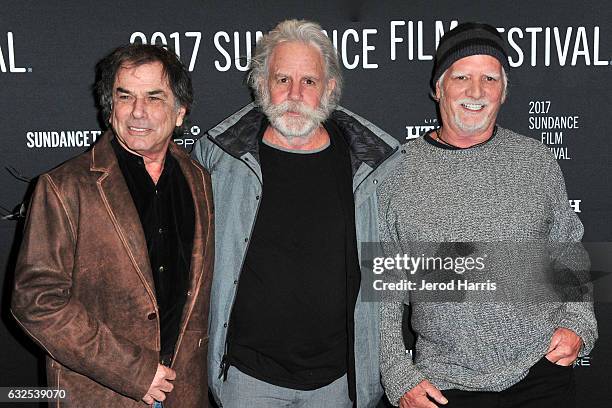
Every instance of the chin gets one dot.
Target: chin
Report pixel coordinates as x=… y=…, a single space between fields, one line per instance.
x=472 y=126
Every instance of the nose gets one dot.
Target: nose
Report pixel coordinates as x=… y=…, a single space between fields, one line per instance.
x=295 y=91
x=139 y=108
x=475 y=89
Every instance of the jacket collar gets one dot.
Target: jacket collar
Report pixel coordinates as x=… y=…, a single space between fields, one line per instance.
x=238 y=135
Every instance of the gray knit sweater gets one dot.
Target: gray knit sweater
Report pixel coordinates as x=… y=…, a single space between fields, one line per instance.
x=509 y=189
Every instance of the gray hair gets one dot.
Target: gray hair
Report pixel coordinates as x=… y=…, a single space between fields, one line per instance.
x=303 y=31
x=504 y=79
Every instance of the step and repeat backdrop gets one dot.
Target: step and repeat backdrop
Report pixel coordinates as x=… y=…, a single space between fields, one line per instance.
x=559 y=94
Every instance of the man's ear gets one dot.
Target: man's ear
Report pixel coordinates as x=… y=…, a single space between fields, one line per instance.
x=180 y=116
x=438 y=91
x=331 y=85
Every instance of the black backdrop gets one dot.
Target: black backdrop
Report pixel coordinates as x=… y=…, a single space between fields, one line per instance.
x=559 y=93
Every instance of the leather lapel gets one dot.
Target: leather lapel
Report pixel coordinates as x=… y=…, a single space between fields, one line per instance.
x=195 y=180
x=120 y=206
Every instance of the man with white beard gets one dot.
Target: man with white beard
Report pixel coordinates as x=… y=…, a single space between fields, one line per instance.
x=468 y=183
x=294 y=185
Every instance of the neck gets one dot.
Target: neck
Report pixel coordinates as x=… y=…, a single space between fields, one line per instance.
x=154 y=168
x=317 y=139
x=153 y=161
x=463 y=141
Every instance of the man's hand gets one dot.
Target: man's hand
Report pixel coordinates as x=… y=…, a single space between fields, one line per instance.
x=418 y=396
x=564 y=347
x=161 y=385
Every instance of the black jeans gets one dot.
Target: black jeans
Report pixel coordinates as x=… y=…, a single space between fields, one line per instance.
x=547 y=385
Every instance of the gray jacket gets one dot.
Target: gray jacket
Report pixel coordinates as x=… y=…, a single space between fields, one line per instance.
x=230 y=153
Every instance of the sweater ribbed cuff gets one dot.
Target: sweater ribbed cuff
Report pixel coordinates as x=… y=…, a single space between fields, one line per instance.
x=585 y=334
x=400 y=379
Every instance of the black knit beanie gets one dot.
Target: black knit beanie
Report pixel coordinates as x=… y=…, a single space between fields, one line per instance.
x=468 y=39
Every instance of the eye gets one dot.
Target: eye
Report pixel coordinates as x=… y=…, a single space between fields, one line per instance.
x=283 y=80
x=460 y=77
x=124 y=97
x=155 y=99
x=490 y=79
x=309 y=81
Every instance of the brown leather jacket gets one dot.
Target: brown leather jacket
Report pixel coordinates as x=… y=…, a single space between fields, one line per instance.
x=84 y=288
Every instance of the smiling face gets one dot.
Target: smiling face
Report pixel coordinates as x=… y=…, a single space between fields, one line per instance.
x=471 y=93
x=144 y=111
x=298 y=89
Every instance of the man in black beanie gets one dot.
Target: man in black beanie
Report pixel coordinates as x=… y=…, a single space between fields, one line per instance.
x=473 y=182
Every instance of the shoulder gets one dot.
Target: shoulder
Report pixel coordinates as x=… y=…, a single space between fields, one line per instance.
x=196 y=171
x=357 y=127
x=525 y=146
x=207 y=154
x=203 y=147
x=412 y=154
x=406 y=166
x=73 y=171
x=65 y=185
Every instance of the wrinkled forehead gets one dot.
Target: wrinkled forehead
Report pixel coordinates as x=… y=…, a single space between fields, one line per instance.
x=152 y=72
x=291 y=54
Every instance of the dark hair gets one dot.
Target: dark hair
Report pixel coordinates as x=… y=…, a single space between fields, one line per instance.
x=178 y=77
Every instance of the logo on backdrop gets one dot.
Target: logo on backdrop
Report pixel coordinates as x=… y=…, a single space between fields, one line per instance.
x=190 y=135
x=8 y=58
x=575 y=204
x=583 y=361
x=415 y=40
x=61 y=138
x=415 y=131
x=551 y=128
x=186 y=44
x=407 y=39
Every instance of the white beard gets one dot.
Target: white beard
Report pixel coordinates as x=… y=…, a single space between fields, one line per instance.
x=304 y=125
x=474 y=126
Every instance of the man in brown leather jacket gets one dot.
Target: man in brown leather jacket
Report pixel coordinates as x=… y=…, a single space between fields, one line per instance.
x=113 y=278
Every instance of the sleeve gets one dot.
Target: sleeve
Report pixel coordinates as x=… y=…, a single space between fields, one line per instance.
x=43 y=305
x=571 y=261
x=398 y=372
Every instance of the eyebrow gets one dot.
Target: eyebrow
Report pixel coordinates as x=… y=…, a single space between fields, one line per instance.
x=150 y=93
x=490 y=74
x=156 y=92
x=282 y=74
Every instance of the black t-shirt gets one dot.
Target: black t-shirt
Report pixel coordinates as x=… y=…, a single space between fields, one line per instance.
x=289 y=321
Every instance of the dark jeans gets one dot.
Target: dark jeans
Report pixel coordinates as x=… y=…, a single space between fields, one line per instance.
x=546 y=386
